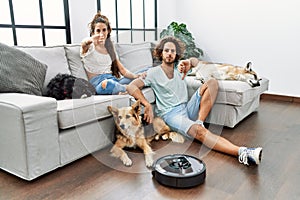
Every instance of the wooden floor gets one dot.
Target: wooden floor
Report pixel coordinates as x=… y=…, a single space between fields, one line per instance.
x=275 y=127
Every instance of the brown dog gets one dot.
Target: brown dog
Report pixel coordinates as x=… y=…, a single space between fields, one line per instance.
x=206 y=70
x=132 y=133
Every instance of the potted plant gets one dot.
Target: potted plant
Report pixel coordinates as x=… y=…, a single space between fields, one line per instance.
x=180 y=31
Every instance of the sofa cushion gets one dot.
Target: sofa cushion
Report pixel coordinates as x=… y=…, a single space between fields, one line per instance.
x=74 y=60
x=76 y=112
x=54 y=57
x=135 y=56
x=235 y=93
x=20 y=72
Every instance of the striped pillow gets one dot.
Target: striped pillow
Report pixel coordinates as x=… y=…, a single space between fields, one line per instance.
x=20 y=72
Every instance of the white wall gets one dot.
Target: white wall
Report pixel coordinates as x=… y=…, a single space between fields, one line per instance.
x=233 y=31
x=237 y=31
x=81 y=13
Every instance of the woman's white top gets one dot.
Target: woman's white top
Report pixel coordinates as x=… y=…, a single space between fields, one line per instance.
x=95 y=62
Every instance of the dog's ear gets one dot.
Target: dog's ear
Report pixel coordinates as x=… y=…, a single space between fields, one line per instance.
x=137 y=107
x=248 y=67
x=113 y=110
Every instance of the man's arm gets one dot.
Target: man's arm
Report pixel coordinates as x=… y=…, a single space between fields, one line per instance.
x=134 y=89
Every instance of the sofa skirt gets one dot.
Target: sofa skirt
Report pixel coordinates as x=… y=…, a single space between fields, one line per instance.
x=229 y=116
x=82 y=140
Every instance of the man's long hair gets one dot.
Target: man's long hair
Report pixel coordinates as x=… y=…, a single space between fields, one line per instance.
x=180 y=47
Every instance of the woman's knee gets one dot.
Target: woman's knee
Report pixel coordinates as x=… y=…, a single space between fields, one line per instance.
x=105 y=87
x=110 y=86
x=104 y=84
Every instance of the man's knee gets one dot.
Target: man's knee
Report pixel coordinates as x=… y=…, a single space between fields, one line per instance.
x=197 y=131
x=213 y=84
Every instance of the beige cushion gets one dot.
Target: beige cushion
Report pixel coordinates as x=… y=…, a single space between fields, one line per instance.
x=54 y=57
x=235 y=93
x=74 y=60
x=135 y=56
x=76 y=112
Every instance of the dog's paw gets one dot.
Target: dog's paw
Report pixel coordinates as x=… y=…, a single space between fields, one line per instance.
x=84 y=96
x=165 y=136
x=149 y=160
x=126 y=161
x=156 y=137
x=176 y=137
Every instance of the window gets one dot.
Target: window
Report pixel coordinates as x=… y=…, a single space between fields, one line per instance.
x=48 y=21
x=20 y=23
x=131 y=20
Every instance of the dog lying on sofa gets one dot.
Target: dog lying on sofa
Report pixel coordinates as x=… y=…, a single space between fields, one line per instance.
x=131 y=133
x=206 y=70
x=66 y=86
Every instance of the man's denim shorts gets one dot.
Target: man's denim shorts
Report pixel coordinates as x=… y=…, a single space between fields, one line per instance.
x=183 y=116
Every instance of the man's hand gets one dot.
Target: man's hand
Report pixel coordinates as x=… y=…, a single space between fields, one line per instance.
x=142 y=75
x=184 y=66
x=148 y=113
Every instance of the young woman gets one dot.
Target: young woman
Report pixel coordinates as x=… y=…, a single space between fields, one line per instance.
x=99 y=58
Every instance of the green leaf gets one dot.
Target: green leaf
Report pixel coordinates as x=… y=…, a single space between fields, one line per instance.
x=181 y=32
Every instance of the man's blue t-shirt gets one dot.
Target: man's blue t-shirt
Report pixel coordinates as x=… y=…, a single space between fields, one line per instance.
x=169 y=92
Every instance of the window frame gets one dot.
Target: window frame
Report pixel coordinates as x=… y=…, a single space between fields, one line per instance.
x=131 y=29
x=15 y=26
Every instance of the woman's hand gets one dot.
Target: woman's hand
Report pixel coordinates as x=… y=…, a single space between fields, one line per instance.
x=98 y=38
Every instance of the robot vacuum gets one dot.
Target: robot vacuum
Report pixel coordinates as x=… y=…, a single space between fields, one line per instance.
x=179 y=171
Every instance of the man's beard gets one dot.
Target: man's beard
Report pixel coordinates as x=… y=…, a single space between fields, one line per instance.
x=169 y=60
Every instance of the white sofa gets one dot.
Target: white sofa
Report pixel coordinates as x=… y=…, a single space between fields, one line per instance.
x=39 y=134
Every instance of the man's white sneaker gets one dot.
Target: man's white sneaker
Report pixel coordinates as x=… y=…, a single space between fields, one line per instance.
x=250 y=156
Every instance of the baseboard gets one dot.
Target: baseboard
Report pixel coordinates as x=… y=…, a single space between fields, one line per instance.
x=280 y=98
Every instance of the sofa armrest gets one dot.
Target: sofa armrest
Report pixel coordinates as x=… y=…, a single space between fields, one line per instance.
x=29 y=144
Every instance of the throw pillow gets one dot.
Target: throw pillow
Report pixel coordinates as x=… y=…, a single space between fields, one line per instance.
x=20 y=72
x=53 y=56
x=135 y=56
x=74 y=60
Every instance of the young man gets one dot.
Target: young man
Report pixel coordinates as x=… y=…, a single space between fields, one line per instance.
x=172 y=104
